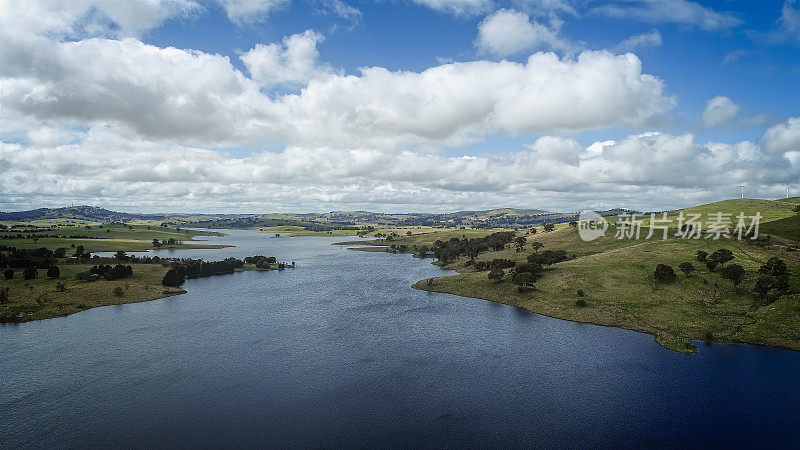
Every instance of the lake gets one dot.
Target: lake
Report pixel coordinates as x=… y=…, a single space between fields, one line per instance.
x=340 y=351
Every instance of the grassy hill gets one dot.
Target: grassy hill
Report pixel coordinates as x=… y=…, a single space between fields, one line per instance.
x=616 y=279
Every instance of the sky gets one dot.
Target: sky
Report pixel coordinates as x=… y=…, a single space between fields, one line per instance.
x=255 y=106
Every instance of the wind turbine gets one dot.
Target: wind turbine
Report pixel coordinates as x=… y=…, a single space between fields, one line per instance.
x=787 y=190
x=742 y=186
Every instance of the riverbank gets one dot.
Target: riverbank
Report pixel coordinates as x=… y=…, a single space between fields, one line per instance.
x=610 y=282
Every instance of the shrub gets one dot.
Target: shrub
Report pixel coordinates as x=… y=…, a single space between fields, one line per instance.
x=502 y=263
x=496 y=274
x=796 y=209
x=733 y=272
x=524 y=278
x=548 y=257
x=702 y=255
x=580 y=292
x=9 y=274
x=581 y=303
x=53 y=272
x=687 y=268
x=60 y=286
x=664 y=273
x=118 y=291
x=30 y=273
x=711 y=264
x=4 y=297
x=722 y=256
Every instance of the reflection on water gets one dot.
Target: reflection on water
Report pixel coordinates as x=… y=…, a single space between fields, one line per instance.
x=340 y=351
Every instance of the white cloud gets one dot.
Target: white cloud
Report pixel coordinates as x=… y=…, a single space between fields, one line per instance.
x=457 y=7
x=199 y=98
x=251 y=11
x=292 y=62
x=734 y=56
x=650 y=39
x=719 y=110
x=682 y=12
x=648 y=170
x=789 y=21
x=782 y=138
x=507 y=32
x=89 y=17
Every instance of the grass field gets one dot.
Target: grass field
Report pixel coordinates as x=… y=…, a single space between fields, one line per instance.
x=109 y=238
x=39 y=298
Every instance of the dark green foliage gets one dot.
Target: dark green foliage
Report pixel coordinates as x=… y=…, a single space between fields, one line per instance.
x=536 y=246
x=549 y=227
x=796 y=209
x=548 y=257
x=524 y=278
x=112 y=273
x=702 y=255
x=30 y=273
x=60 y=252
x=9 y=274
x=118 y=291
x=450 y=250
x=722 y=256
x=774 y=267
x=711 y=264
x=581 y=303
x=502 y=263
x=733 y=272
x=496 y=274
x=4 y=297
x=53 y=272
x=60 y=286
x=174 y=277
x=580 y=293
x=664 y=273
x=687 y=268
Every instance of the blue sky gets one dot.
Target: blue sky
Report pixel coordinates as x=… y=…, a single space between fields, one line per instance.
x=206 y=105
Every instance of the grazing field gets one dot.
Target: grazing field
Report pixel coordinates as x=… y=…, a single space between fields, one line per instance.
x=105 y=237
x=610 y=281
x=40 y=298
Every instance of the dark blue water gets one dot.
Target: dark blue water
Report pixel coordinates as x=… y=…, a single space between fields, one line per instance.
x=341 y=352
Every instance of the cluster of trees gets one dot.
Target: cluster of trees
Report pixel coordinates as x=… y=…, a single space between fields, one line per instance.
x=40 y=258
x=261 y=261
x=448 y=251
x=108 y=272
x=195 y=268
x=772 y=282
x=46 y=235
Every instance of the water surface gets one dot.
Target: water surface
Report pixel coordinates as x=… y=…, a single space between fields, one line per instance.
x=341 y=352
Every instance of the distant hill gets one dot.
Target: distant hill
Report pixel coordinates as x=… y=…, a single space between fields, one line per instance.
x=89 y=213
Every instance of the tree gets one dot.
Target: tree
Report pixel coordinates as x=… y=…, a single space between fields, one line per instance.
x=524 y=278
x=520 y=241
x=711 y=264
x=664 y=273
x=536 y=246
x=549 y=227
x=156 y=243
x=30 y=273
x=120 y=256
x=774 y=267
x=53 y=272
x=734 y=272
x=79 y=251
x=763 y=285
x=702 y=255
x=60 y=252
x=722 y=256
x=573 y=224
x=9 y=274
x=496 y=274
x=687 y=268
x=532 y=231
x=4 y=297
x=174 y=277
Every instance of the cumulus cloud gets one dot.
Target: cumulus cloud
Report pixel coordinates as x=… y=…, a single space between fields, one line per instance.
x=782 y=138
x=682 y=12
x=642 y=170
x=293 y=62
x=719 y=110
x=507 y=32
x=457 y=7
x=650 y=39
x=92 y=17
x=200 y=98
x=251 y=11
